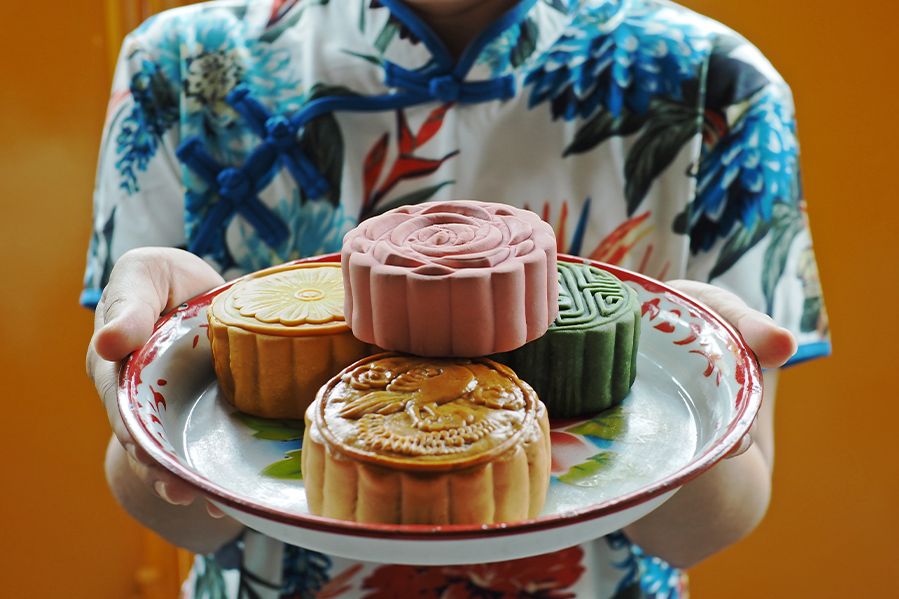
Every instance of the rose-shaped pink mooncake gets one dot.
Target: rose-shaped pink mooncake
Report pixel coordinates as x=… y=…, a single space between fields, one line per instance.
x=455 y=278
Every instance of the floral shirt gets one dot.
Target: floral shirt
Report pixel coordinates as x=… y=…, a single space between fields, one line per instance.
x=256 y=132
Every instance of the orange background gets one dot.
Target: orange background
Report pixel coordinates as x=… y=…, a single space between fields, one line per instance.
x=832 y=526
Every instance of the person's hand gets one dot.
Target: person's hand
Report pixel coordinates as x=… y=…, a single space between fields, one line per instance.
x=144 y=284
x=773 y=345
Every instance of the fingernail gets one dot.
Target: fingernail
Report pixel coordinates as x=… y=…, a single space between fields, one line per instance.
x=214 y=511
x=162 y=490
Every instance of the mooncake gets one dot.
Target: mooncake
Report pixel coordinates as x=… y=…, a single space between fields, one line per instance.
x=279 y=335
x=461 y=279
x=400 y=439
x=587 y=360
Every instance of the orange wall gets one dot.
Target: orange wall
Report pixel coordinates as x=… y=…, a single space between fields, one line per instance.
x=62 y=530
x=831 y=529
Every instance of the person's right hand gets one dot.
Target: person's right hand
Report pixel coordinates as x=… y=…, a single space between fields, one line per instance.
x=144 y=284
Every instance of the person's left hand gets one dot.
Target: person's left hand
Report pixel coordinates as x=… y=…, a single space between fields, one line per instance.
x=773 y=345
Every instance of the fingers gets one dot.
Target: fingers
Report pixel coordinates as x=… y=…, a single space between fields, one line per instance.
x=773 y=345
x=214 y=511
x=165 y=485
x=143 y=284
x=741 y=447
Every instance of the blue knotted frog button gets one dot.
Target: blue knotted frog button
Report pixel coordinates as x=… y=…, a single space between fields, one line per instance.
x=445 y=88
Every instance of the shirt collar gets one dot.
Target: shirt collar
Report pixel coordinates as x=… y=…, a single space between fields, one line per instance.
x=398 y=36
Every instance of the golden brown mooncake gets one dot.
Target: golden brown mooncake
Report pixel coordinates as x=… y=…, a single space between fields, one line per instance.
x=399 y=439
x=279 y=335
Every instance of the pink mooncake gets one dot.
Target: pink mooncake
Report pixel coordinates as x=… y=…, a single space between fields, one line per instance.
x=457 y=278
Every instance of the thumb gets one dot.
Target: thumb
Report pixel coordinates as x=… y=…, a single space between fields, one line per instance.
x=772 y=344
x=144 y=284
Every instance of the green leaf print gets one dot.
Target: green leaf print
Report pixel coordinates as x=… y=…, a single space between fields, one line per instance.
x=526 y=44
x=601 y=127
x=786 y=226
x=386 y=36
x=283 y=25
x=210 y=580
x=609 y=425
x=366 y=57
x=290 y=468
x=741 y=241
x=584 y=475
x=558 y=5
x=811 y=314
x=273 y=430
x=670 y=127
x=631 y=591
x=108 y=262
x=322 y=142
x=415 y=197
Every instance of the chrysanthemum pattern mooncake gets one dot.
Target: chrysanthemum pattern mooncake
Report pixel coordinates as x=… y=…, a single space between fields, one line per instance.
x=278 y=335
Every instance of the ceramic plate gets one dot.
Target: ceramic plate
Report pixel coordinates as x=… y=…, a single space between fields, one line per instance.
x=697 y=391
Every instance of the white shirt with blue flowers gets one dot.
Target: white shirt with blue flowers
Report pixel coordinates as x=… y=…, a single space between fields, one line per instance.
x=256 y=132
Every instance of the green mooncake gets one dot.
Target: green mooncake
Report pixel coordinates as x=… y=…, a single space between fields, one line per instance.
x=586 y=361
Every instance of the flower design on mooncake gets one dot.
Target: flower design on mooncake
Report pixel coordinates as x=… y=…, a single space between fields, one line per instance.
x=451 y=278
x=289 y=300
x=443 y=238
x=293 y=297
x=278 y=335
x=444 y=441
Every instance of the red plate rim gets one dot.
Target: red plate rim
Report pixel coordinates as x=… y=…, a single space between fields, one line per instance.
x=749 y=401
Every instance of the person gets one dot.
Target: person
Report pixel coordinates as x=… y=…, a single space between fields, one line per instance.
x=243 y=134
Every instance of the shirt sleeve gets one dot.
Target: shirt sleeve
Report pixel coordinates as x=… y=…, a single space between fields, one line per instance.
x=138 y=192
x=748 y=223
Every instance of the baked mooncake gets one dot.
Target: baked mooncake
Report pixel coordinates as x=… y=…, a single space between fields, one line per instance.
x=451 y=278
x=400 y=439
x=587 y=360
x=279 y=335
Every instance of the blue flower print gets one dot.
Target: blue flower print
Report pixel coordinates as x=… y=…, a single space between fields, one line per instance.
x=317 y=227
x=211 y=51
x=562 y=6
x=154 y=112
x=754 y=165
x=642 y=575
x=616 y=62
x=511 y=48
x=305 y=572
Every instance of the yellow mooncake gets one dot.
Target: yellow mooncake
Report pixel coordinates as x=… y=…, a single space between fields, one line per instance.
x=400 y=439
x=279 y=335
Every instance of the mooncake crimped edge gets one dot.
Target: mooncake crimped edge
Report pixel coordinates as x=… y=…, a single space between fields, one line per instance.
x=342 y=488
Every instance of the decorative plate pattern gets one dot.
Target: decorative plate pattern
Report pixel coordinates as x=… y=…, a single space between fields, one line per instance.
x=697 y=391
